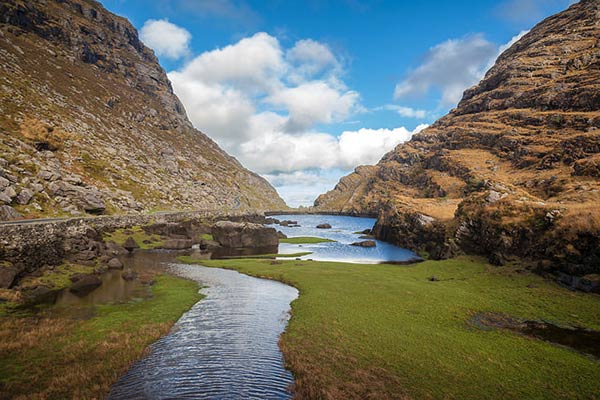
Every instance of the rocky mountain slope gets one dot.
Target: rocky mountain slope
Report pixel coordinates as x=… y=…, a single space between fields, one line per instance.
x=513 y=170
x=89 y=122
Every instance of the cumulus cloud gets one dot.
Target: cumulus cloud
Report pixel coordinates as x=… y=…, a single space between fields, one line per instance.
x=254 y=63
x=314 y=102
x=266 y=105
x=367 y=146
x=449 y=67
x=407 y=112
x=165 y=38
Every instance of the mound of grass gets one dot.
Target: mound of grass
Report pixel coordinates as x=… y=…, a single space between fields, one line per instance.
x=143 y=239
x=60 y=358
x=305 y=240
x=383 y=331
x=207 y=236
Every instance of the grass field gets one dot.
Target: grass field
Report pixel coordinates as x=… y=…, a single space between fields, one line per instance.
x=305 y=240
x=51 y=357
x=384 y=331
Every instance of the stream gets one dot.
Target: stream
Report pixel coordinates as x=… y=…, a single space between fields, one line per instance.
x=224 y=347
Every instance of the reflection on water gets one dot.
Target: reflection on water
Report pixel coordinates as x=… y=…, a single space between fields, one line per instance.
x=114 y=288
x=581 y=340
x=342 y=230
x=225 y=347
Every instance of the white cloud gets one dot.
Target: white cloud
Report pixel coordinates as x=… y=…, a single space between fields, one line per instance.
x=407 y=112
x=314 y=102
x=309 y=58
x=262 y=103
x=450 y=67
x=367 y=146
x=300 y=188
x=254 y=63
x=165 y=38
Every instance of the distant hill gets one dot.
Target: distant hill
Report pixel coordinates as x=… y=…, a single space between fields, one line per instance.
x=513 y=170
x=89 y=122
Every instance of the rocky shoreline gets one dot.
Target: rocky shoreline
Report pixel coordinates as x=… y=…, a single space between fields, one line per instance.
x=41 y=258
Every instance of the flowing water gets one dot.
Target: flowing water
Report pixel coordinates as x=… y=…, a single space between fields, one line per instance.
x=225 y=347
x=344 y=231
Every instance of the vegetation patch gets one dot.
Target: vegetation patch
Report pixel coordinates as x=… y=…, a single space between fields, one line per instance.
x=59 y=358
x=384 y=331
x=144 y=240
x=207 y=236
x=305 y=240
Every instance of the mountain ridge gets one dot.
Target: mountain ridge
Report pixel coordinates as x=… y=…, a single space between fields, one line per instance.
x=513 y=170
x=90 y=122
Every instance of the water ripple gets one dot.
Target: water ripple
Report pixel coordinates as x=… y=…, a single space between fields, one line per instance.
x=225 y=347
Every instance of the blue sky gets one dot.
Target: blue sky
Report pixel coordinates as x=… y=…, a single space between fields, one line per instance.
x=304 y=91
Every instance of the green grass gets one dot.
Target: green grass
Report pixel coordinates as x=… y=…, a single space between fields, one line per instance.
x=206 y=236
x=62 y=357
x=57 y=277
x=305 y=240
x=384 y=331
x=138 y=234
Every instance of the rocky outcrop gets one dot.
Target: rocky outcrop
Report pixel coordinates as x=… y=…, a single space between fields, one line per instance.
x=512 y=171
x=89 y=122
x=244 y=235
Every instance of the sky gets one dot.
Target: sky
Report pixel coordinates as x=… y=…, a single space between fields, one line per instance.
x=302 y=92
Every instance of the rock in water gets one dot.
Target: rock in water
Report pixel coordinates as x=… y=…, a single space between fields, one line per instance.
x=365 y=243
x=240 y=235
x=130 y=244
x=128 y=274
x=115 y=263
x=85 y=285
x=323 y=226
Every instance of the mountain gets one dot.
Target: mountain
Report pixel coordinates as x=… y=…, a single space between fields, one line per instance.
x=89 y=122
x=513 y=170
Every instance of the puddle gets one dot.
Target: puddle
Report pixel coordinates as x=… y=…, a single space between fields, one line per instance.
x=582 y=340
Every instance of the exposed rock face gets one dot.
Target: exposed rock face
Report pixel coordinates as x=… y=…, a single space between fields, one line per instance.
x=89 y=122
x=243 y=234
x=513 y=169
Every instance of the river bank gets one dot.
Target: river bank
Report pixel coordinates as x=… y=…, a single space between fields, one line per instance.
x=385 y=331
x=56 y=356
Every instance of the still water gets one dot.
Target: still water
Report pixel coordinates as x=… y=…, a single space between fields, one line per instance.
x=343 y=231
x=225 y=347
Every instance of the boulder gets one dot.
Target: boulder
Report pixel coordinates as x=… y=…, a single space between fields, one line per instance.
x=365 y=243
x=10 y=192
x=208 y=244
x=114 y=249
x=177 y=244
x=244 y=234
x=7 y=274
x=288 y=223
x=5 y=199
x=115 y=263
x=4 y=183
x=323 y=226
x=281 y=235
x=128 y=274
x=130 y=244
x=85 y=285
x=24 y=197
x=8 y=213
